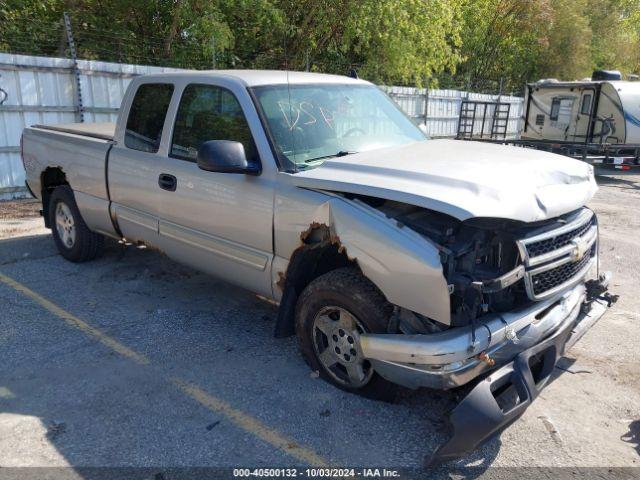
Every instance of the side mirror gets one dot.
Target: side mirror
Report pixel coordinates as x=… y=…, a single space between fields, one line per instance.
x=225 y=156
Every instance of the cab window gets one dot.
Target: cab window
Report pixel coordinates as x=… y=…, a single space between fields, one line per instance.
x=207 y=112
x=146 y=116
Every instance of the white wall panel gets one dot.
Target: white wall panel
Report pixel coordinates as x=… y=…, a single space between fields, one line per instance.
x=443 y=108
x=42 y=90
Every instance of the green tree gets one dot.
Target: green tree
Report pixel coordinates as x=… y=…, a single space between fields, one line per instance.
x=413 y=42
x=631 y=23
x=615 y=25
x=399 y=41
x=503 y=40
x=32 y=27
x=568 y=54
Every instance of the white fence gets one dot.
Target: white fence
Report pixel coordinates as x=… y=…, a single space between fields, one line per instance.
x=439 y=110
x=44 y=90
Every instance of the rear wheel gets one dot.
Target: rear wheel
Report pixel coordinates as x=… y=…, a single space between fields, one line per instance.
x=72 y=237
x=331 y=314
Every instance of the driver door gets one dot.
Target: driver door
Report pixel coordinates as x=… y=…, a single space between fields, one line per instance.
x=220 y=223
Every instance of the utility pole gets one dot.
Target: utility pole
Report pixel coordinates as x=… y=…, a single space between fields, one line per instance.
x=76 y=70
x=213 y=48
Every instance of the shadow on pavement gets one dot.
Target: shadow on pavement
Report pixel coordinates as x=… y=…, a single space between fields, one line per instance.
x=621 y=179
x=633 y=435
x=100 y=409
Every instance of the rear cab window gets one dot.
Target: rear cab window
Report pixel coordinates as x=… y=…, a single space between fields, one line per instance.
x=146 y=116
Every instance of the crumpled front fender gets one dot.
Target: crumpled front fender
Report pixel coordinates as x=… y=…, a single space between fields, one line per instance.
x=402 y=264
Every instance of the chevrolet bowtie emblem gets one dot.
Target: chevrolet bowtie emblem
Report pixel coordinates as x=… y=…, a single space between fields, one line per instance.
x=579 y=249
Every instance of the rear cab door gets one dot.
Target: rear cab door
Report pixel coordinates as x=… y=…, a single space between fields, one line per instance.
x=133 y=166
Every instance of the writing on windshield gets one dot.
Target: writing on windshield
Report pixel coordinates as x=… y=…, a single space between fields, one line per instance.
x=310 y=123
x=305 y=113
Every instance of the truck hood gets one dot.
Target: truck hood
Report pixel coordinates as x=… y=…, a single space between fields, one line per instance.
x=461 y=178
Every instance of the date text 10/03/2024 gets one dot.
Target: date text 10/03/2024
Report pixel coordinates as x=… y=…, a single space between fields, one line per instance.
x=316 y=472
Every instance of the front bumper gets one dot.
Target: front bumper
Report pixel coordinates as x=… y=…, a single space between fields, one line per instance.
x=500 y=398
x=450 y=359
x=523 y=346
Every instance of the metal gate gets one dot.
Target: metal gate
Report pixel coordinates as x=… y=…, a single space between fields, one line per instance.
x=476 y=116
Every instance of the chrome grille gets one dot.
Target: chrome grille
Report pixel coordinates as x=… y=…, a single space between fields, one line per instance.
x=550 y=279
x=549 y=244
x=561 y=257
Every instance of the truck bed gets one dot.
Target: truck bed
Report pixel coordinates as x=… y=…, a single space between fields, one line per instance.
x=101 y=130
x=79 y=150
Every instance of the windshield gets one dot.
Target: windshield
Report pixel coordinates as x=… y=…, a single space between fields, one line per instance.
x=310 y=123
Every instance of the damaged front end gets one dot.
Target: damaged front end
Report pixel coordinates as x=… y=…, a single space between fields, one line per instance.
x=520 y=296
x=510 y=284
x=502 y=396
x=488 y=301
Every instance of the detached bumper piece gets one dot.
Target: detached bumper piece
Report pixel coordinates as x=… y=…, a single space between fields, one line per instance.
x=504 y=395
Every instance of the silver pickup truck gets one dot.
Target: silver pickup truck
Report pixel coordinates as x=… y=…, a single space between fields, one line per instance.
x=395 y=259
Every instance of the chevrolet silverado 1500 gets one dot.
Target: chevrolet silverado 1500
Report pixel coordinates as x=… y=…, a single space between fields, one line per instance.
x=394 y=259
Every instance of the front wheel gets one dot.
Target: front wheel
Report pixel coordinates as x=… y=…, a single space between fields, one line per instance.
x=71 y=235
x=331 y=314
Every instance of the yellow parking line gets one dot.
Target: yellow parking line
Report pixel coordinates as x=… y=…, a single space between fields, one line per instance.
x=250 y=424
x=75 y=322
x=212 y=403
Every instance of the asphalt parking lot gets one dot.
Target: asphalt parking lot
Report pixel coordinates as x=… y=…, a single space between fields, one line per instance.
x=133 y=360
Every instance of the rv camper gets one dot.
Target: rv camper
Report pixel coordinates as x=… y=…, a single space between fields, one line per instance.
x=604 y=109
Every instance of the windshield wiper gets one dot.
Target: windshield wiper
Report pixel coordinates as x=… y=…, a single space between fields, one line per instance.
x=341 y=153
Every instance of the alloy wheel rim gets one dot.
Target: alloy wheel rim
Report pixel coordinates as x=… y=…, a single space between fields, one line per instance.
x=65 y=225
x=336 y=341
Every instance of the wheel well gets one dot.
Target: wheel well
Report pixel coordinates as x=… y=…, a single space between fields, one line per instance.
x=51 y=178
x=319 y=254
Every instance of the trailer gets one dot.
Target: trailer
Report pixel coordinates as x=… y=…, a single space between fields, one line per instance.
x=596 y=120
x=594 y=111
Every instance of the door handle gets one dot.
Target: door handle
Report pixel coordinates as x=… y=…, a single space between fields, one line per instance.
x=167 y=182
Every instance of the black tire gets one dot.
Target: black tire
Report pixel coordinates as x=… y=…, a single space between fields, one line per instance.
x=86 y=245
x=350 y=291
